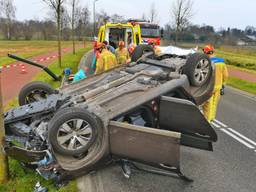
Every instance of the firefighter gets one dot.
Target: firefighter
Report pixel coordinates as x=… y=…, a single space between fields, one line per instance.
x=156 y=48
x=106 y=60
x=109 y=47
x=122 y=54
x=221 y=75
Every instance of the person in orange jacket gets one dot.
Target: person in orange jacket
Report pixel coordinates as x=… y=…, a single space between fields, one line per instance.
x=221 y=76
x=106 y=60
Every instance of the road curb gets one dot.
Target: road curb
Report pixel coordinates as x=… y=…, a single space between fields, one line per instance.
x=243 y=93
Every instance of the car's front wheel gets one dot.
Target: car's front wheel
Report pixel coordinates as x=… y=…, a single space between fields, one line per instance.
x=72 y=131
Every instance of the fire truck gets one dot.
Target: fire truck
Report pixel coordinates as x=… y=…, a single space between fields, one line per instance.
x=150 y=32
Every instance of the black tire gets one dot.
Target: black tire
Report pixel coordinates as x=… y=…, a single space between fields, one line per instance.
x=140 y=50
x=40 y=87
x=192 y=66
x=69 y=114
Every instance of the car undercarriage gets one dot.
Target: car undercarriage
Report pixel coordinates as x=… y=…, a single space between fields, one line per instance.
x=112 y=116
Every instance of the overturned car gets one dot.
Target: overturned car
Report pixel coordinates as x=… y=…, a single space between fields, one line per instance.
x=141 y=112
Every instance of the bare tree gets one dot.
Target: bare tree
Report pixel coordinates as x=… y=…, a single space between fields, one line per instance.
x=75 y=11
x=153 y=13
x=84 y=27
x=115 y=18
x=8 y=11
x=102 y=18
x=56 y=6
x=182 y=11
x=143 y=17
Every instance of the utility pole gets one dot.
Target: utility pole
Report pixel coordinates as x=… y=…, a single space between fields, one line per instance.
x=94 y=18
x=4 y=172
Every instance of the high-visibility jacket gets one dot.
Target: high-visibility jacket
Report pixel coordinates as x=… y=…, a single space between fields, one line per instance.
x=105 y=61
x=122 y=55
x=221 y=73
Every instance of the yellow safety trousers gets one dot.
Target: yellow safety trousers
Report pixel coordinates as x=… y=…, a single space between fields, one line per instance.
x=210 y=106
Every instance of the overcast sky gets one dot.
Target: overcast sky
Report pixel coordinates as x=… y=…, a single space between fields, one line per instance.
x=218 y=13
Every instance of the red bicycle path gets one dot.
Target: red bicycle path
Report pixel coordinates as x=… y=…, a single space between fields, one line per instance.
x=13 y=79
x=244 y=75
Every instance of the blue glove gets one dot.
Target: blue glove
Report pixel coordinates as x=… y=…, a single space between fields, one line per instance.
x=79 y=75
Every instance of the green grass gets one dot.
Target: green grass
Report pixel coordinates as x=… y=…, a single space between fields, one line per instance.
x=247 y=86
x=27 y=49
x=24 y=179
x=68 y=60
x=239 y=60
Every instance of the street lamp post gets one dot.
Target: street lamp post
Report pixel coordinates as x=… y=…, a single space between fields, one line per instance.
x=94 y=18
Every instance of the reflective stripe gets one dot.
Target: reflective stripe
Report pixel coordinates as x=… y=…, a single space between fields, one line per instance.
x=217 y=60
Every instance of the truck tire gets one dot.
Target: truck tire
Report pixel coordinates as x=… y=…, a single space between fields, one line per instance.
x=35 y=91
x=140 y=50
x=72 y=131
x=198 y=69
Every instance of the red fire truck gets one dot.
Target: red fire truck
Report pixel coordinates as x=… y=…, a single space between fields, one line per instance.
x=150 y=32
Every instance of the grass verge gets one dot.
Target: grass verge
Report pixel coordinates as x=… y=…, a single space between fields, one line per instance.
x=24 y=179
x=247 y=86
x=27 y=49
x=242 y=69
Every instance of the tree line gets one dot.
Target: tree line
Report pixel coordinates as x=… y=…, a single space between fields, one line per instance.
x=75 y=23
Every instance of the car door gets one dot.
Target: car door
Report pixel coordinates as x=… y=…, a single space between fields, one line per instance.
x=183 y=116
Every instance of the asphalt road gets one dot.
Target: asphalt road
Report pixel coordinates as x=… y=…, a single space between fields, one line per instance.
x=230 y=168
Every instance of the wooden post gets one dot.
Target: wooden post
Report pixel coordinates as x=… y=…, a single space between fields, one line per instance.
x=4 y=172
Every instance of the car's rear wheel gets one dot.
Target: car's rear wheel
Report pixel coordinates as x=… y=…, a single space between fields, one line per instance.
x=35 y=91
x=198 y=68
x=72 y=131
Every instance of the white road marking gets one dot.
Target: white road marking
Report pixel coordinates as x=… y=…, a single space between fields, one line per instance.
x=220 y=123
x=242 y=136
x=238 y=139
x=215 y=125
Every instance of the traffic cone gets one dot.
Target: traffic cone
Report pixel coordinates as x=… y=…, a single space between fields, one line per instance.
x=23 y=69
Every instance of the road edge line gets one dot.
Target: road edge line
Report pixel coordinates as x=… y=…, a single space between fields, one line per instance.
x=242 y=136
x=237 y=138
